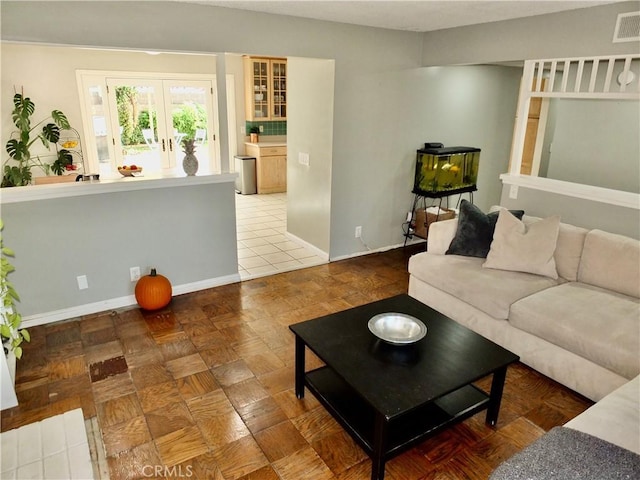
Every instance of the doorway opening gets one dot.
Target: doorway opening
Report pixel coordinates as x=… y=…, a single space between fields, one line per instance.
x=264 y=248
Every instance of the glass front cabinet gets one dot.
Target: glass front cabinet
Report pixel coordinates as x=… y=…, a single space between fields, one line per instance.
x=265 y=88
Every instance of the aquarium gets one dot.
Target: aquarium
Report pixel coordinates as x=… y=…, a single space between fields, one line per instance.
x=444 y=171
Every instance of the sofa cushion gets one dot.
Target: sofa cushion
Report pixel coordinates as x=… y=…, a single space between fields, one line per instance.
x=611 y=261
x=492 y=291
x=597 y=324
x=568 y=248
x=521 y=248
x=475 y=231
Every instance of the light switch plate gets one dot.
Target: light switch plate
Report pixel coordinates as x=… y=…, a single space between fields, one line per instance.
x=303 y=158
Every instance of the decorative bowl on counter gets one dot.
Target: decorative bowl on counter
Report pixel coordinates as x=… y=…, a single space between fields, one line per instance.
x=129 y=171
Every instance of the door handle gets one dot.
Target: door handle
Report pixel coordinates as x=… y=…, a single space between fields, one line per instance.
x=171 y=145
x=164 y=149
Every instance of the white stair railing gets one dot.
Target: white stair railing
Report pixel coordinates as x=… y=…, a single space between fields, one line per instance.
x=601 y=78
x=597 y=73
x=615 y=77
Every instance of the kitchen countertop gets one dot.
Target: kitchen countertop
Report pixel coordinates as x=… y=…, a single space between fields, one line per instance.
x=267 y=144
x=76 y=189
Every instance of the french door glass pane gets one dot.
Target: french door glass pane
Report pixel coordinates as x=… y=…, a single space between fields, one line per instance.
x=99 y=122
x=139 y=126
x=188 y=106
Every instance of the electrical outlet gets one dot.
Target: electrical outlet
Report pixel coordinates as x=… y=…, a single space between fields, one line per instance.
x=83 y=284
x=261 y=127
x=513 y=191
x=134 y=273
x=358 y=232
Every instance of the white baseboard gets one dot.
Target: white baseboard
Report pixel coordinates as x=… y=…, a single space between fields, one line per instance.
x=377 y=250
x=120 y=302
x=313 y=248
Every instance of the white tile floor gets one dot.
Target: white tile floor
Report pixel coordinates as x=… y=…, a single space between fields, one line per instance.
x=54 y=448
x=263 y=247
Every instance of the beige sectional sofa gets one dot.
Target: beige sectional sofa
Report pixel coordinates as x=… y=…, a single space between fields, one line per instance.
x=602 y=442
x=615 y=418
x=581 y=329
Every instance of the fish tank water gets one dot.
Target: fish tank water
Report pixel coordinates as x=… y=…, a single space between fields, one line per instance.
x=446 y=170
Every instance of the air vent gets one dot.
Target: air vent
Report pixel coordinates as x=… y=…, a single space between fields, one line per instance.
x=627 y=28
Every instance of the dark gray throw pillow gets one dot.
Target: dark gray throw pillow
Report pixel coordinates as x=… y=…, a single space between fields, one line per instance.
x=475 y=231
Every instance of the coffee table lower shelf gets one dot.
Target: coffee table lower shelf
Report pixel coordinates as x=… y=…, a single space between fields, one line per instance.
x=357 y=417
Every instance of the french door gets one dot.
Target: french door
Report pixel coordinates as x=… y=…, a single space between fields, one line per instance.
x=143 y=122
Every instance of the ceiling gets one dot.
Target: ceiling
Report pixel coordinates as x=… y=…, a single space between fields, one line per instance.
x=414 y=15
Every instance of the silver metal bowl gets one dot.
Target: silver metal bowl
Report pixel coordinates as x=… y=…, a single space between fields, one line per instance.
x=397 y=328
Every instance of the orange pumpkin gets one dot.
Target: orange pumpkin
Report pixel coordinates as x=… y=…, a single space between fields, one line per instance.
x=153 y=291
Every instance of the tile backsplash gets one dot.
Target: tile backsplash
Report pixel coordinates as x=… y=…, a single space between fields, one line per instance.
x=269 y=128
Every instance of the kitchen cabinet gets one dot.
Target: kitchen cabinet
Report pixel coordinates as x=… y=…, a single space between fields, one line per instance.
x=265 y=82
x=271 y=166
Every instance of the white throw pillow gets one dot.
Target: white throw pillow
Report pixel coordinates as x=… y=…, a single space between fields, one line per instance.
x=521 y=248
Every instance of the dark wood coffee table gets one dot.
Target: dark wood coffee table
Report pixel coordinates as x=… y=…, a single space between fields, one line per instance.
x=389 y=397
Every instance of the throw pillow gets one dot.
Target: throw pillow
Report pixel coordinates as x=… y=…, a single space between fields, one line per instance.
x=519 y=248
x=475 y=231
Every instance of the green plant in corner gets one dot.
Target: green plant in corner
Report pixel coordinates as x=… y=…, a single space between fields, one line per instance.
x=19 y=145
x=10 y=320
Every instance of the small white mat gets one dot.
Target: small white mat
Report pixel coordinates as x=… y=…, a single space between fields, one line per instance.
x=54 y=448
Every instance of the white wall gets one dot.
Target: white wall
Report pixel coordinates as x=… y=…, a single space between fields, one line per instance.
x=577 y=33
x=373 y=178
x=596 y=142
x=310 y=130
x=574 y=33
x=102 y=236
x=385 y=104
x=235 y=67
x=576 y=211
x=360 y=54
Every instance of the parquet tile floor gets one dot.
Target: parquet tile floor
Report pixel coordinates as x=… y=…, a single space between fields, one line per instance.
x=204 y=388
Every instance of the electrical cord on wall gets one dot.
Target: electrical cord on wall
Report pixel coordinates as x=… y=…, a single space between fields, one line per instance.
x=364 y=243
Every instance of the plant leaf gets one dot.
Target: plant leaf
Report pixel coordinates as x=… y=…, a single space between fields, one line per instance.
x=11 y=290
x=64 y=158
x=51 y=132
x=5 y=331
x=17 y=150
x=18 y=352
x=25 y=334
x=60 y=119
x=22 y=112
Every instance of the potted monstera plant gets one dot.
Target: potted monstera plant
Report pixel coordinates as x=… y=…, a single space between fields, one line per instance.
x=17 y=169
